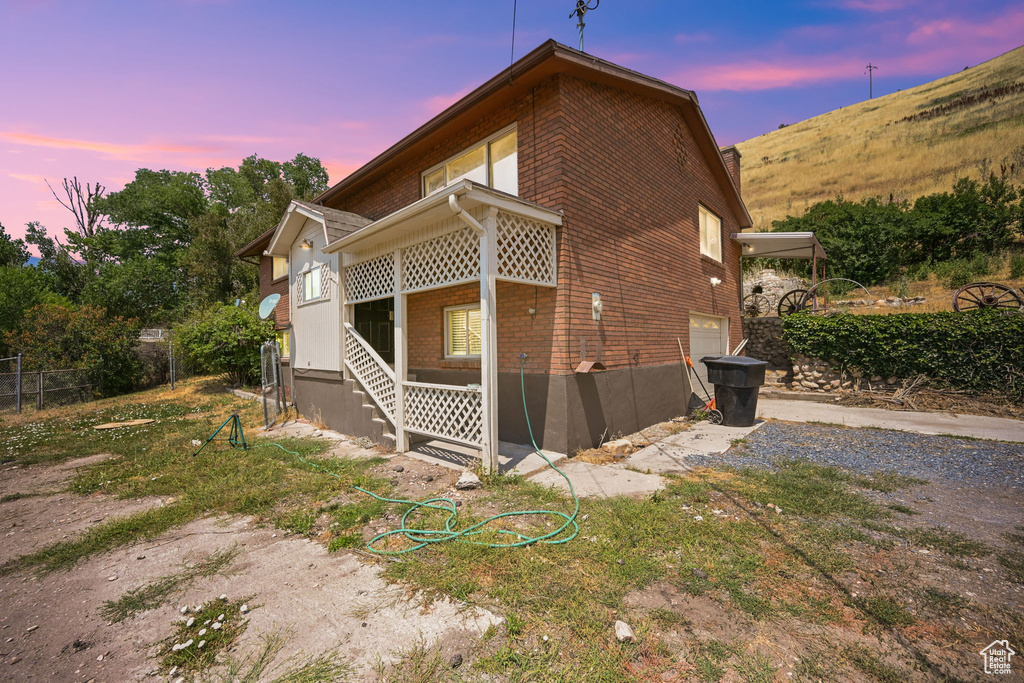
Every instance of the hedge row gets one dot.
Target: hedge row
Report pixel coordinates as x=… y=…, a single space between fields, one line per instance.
x=981 y=351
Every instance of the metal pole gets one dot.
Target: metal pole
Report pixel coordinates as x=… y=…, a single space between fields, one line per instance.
x=278 y=378
x=17 y=386
x=170 y=361
x=39 y=393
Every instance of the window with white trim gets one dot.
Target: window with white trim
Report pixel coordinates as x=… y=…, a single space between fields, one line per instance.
x=462 y=331
x=279 y=267
x=710 y=234
x=312 y=284
x=493 y=161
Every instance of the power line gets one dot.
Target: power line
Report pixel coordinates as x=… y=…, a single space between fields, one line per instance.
x=512 y=59
x=870 y=84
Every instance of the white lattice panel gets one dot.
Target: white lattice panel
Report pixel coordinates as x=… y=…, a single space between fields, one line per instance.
x=446 y=260
x=372 y=372
x=454 y=413
x=372 y=279
x=526 y=250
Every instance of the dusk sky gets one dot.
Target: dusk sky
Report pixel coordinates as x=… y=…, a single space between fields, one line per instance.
x=98 y=89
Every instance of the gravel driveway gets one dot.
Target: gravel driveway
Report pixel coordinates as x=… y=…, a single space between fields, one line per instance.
x=872 y=450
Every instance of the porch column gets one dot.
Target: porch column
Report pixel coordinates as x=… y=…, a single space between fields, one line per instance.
x=401 y=436
x=489 y=340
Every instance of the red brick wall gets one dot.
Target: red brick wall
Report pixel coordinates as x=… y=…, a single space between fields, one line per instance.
x=732 y=162
x=628 y=174
x=518 y=331
x=539 y=130
x=270 y=286
x=635 y=177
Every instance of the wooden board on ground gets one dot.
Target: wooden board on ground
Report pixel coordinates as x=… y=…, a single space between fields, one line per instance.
x=129 y=423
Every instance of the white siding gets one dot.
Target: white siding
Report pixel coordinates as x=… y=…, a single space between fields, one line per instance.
x=316 y=342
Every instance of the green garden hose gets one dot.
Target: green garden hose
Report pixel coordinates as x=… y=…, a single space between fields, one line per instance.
x=424 y=537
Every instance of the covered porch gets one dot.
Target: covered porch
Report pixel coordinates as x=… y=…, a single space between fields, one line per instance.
x=460 y=236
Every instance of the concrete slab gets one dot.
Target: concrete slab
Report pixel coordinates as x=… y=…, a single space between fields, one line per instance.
x=512 y=457
x=669 y=454
x=600 y=481
x=976 y=426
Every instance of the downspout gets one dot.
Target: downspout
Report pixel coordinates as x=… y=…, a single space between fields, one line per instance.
x=453 y=203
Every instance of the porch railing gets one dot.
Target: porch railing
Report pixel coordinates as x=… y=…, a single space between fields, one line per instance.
x=372 y=372
x=444 y=411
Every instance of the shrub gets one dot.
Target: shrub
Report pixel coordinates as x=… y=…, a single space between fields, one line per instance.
x=1017 y=266
x=981 y=351
x=61 y=336
x=226 y=339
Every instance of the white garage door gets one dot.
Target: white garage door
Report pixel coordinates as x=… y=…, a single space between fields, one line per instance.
x=709 y=336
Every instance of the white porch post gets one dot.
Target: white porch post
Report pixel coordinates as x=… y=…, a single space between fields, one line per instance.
x=489 y=340
x=401 y=436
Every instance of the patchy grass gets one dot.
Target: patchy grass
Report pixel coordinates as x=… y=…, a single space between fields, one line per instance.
x=156 y=460
x=903 y=509
x=162 y=590
x=16 y=496
x=944 y=540
x=755 y=560
x=1013 y=562
x=202 y=634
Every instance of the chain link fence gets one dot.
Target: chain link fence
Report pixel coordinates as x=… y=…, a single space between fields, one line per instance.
x=274 y=400
x=22 y=390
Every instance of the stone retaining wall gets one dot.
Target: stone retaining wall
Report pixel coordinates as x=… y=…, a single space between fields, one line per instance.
x=787 y=369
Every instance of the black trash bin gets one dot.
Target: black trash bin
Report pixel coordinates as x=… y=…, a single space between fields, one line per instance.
x=737 y=380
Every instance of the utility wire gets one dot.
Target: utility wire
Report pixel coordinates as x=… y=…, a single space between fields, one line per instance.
x=512 y=59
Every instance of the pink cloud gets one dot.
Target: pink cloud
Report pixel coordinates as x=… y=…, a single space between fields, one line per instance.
x=27 y=177
x=959 y=32
x=437 y=104
x=874 y=5
x=765 y=75
x=107 y=149
x=939 y=44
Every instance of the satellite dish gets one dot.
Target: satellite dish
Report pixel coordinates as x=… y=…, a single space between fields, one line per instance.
x=267 y=305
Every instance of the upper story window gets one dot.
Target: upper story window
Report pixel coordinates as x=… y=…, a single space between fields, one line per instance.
x=493 y=162
x=710 y=234
x=280 y=267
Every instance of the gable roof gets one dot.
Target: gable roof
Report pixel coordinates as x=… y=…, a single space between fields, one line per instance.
x=549 y=58
x=337 y=224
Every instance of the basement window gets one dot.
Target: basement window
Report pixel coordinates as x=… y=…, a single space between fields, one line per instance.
x=462 y=331
x=493 y=161
x=710 y=234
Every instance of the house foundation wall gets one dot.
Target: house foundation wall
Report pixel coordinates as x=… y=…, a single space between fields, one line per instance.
x=570 y=412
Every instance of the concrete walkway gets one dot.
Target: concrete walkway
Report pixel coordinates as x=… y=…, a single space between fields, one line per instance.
x=976 y=426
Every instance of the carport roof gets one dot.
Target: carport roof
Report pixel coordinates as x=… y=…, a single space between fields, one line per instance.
x=800 y=245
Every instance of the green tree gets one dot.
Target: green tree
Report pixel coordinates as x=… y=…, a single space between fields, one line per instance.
x=56 y=336
x=974 y=217
x=13 y=252
x=226 y=339
x=865 y=241
x=21 y=289
x=66 y=275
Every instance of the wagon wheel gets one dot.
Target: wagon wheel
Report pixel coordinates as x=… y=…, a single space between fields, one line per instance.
x=756 y=305
x=986 y=295
x=792 y=302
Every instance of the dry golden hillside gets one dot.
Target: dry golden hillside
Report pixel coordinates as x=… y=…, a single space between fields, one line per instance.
x=904 y=145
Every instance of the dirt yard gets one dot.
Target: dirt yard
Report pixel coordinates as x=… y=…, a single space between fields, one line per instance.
x=754 y=567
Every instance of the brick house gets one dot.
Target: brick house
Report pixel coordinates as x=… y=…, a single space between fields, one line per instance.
x=569 y=209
